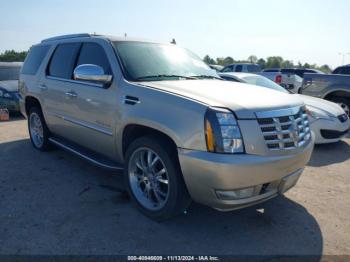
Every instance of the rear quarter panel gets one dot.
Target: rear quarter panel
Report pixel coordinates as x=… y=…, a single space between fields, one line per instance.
x=320 y=85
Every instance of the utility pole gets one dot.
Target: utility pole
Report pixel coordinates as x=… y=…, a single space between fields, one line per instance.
x=343 y=56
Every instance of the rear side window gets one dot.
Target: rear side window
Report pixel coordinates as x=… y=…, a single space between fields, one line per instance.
x=288 y=71
x=34 y=59
x=253 y=68
x=238 y=68
x=92 y=53
x=63 y=60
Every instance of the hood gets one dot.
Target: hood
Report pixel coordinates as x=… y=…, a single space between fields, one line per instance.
x=243 y=99
x=330 y=107
x=9 y=85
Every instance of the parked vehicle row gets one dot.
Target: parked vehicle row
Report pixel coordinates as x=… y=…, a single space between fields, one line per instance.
x=9 y=96
x=328 y=120
x=178 y=130
x=290 y=79
x=296 y=71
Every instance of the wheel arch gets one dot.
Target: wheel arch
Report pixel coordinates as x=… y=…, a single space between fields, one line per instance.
x=337 y=93
x=134 y=131
x=31 y=101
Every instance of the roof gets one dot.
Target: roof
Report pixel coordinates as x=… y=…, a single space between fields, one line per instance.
x=246 y=63
x=86 y=35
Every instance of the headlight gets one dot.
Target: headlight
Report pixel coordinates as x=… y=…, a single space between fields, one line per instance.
x=5 y=94
x=318 y=113
x=222 y=132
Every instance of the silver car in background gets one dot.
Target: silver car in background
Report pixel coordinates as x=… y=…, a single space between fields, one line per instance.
x=328 y=120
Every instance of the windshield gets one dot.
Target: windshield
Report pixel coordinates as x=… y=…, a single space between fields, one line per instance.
x=9 y=73
x=263 y=81
x=149 y=62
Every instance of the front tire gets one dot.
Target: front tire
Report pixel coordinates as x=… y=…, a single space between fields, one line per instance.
x=38 y=131
x=154 y=180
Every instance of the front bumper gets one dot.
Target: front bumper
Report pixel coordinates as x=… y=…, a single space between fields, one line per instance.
x=11 y=104
x=332 y=125
x=205 y=173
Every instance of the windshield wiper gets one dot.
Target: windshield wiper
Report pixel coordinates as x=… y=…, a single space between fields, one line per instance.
x=207 y=77
x=164 y=75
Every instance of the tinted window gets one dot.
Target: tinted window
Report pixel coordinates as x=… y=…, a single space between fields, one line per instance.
x=253 y=68
x=228 y=69
x=92 y=53
x=288 y=71
x=34 y=59
x=238 y=68
x=300 y=72
x=63 y=60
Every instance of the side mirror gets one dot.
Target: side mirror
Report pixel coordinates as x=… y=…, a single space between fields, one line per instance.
x=92 y=73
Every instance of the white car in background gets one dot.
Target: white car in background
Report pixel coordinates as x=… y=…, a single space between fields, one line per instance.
x=289 y=81
x=328 y=120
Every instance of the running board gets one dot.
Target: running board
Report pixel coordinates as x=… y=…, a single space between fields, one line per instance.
x=86 y=154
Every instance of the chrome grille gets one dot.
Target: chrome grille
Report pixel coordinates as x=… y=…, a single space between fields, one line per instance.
x=284 y=129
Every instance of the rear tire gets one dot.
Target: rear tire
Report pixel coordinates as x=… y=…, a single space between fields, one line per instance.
x=38 y=131
x=343 y=102
x=154 y=180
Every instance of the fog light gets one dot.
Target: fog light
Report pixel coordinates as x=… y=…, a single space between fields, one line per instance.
x=236 y=194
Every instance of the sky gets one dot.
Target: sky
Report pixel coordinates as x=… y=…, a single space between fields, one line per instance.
x=313 y=31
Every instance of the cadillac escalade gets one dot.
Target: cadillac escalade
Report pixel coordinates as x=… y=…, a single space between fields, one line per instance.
x=163 y=117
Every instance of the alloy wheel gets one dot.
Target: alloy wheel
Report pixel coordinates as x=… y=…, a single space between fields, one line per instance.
x=36 y=130
x=149 y=180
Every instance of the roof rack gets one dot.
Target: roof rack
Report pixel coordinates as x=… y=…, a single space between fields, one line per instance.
x=61 y=37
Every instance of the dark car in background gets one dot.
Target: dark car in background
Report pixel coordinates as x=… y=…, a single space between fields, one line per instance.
x=342 y=70
x=9 y=95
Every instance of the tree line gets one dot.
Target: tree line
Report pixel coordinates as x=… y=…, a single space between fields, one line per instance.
x=13 y=56
x=269 y=62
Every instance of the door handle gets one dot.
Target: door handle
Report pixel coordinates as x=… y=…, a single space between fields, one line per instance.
x=42 y=86
x=71 y=94
x=131 y=100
